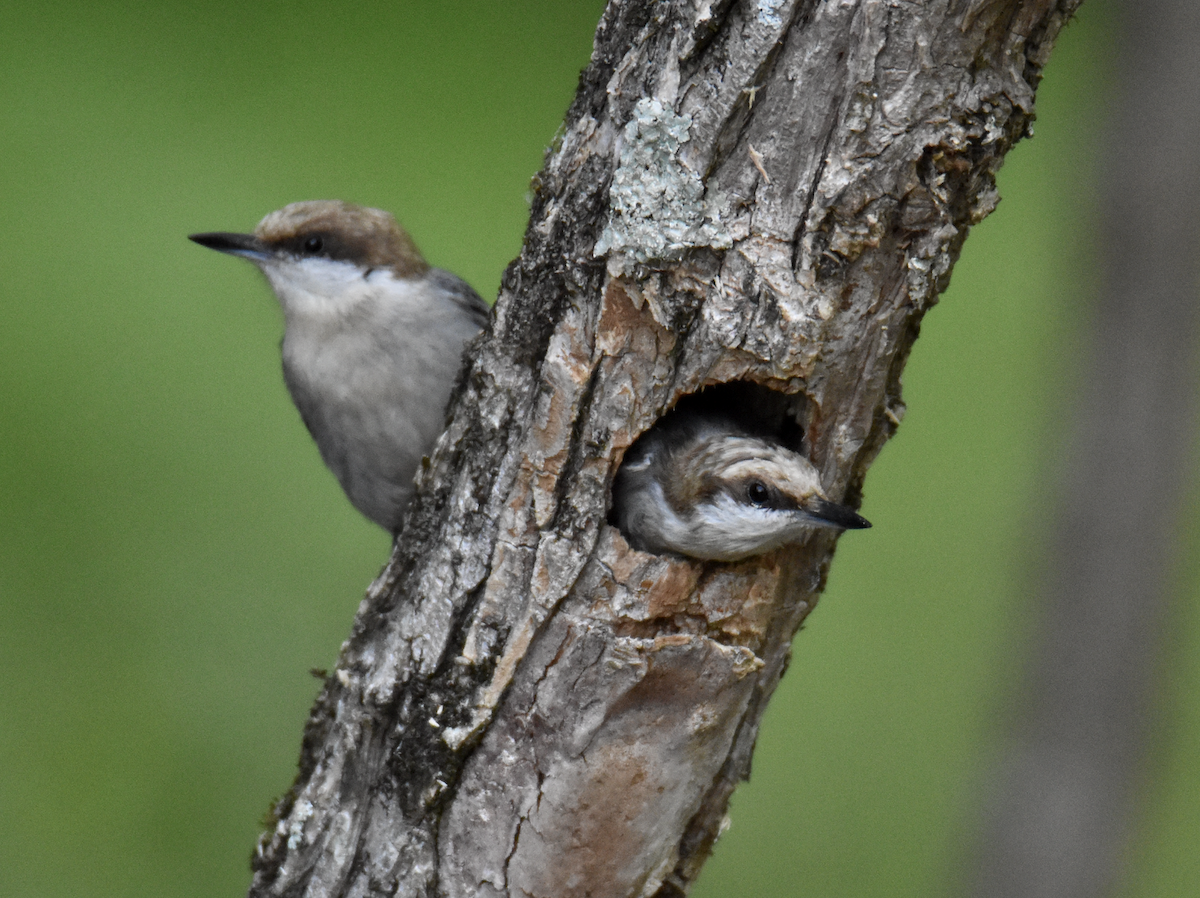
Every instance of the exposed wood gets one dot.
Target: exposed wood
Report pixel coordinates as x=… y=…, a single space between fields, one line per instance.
x=764 y=191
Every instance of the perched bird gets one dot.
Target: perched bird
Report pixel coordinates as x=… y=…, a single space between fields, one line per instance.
x=704 y=487
x=373 y=340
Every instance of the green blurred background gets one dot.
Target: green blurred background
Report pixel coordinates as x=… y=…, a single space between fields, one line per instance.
x=174 y=557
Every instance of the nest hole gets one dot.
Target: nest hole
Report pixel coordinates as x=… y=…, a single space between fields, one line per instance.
x=760 y=411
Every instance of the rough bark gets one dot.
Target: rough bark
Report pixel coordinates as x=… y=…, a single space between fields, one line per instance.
x=1061 y=813
x=770 y=192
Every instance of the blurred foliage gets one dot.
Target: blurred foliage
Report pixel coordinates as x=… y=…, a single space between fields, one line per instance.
x=174 y=557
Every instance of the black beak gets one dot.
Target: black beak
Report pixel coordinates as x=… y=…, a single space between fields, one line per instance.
x=830 y=514
x=245 y=245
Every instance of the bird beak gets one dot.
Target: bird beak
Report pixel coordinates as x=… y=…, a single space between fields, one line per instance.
x=829 y=514
x=245 y=245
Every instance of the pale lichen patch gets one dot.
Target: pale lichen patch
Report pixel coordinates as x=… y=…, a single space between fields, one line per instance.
x=304 y=810
x=768 y=13
x=657 y=206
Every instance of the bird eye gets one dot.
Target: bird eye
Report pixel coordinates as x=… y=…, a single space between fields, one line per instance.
x=313 y=244
x=758 y=494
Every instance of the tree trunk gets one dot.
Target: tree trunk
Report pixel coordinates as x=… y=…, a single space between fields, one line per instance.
x=767 y=192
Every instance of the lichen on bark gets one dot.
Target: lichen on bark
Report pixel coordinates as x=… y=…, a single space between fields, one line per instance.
x=657 y=207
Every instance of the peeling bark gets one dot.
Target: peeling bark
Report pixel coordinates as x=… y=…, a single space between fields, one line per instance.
x=770 y=192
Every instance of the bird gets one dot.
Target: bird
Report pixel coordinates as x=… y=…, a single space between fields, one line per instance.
x=372 y=344
x=705 y=487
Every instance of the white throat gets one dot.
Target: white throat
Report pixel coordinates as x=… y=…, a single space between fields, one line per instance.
x=317 y=288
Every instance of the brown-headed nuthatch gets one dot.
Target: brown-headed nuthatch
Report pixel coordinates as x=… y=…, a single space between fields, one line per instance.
x=702 y=486
x=373 y=340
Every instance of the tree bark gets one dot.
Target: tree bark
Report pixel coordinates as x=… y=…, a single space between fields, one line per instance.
x=768 y=192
